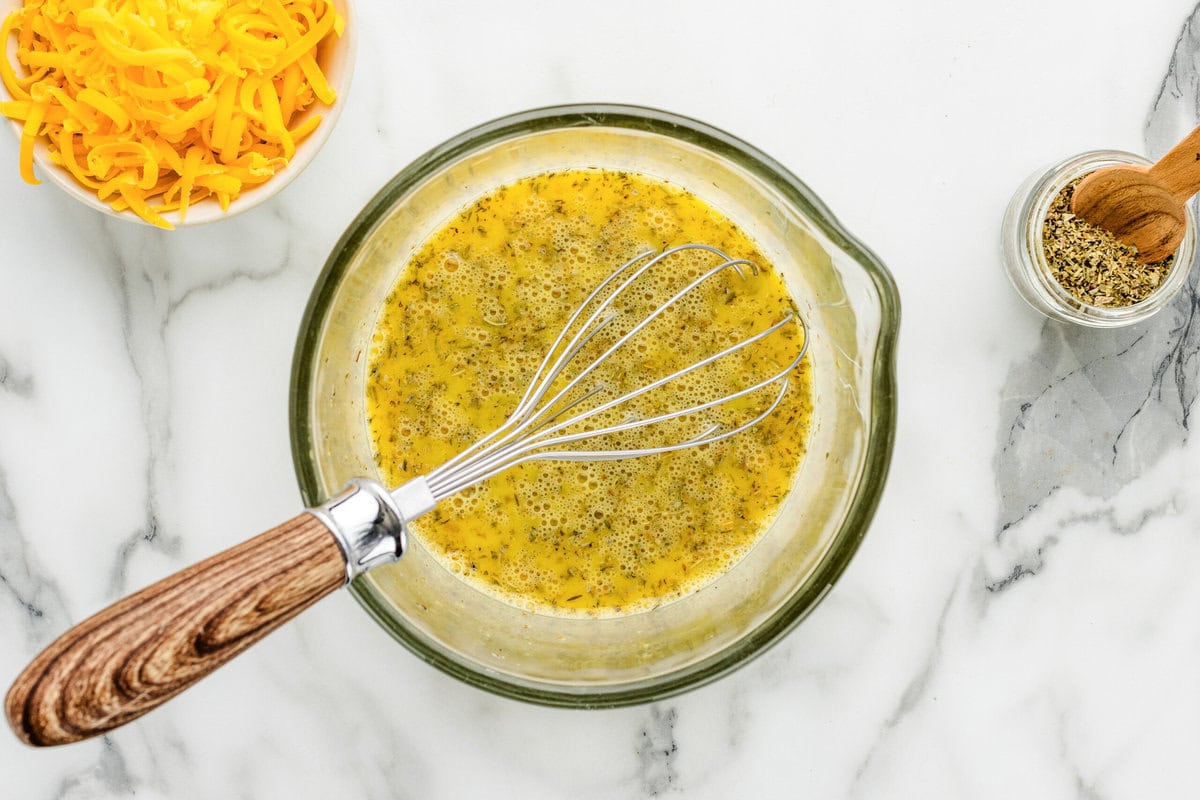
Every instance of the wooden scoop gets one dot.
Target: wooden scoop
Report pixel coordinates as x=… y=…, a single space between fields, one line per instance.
x=1144 y=206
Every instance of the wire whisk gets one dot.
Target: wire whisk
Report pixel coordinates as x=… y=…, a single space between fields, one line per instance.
x=540 y=429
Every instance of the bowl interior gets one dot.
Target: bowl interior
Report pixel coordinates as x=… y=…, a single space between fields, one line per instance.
x=846 y=296
x=337 y=62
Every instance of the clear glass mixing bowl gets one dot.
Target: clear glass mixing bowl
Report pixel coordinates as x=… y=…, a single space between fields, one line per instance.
x=845 y=293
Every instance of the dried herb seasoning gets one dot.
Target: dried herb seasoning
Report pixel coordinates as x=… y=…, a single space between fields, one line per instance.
x=1093 y=265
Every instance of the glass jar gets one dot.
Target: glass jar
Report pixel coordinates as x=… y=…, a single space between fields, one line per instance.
x=1025 y=258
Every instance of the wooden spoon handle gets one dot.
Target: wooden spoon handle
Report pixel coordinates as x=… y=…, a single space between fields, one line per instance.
x=148 y=647
x=1179 y=170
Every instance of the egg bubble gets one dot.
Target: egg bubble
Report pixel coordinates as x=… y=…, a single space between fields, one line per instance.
x=610 y=537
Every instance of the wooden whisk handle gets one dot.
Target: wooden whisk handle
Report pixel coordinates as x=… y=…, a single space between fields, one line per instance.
x=145 y=649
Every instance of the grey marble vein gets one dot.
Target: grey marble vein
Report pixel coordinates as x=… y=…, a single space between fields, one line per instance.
x=223 y=282
x=109 y=776
x=657 y=751
x=918 y=687
x=26 y=584
x=1106 y=518
x=738 y=717
x=1173 y=113
x=138 y=291
x=1085 y=788
x=915 y=691
x=153 y=279
x=1028 y=566
x=14 y=381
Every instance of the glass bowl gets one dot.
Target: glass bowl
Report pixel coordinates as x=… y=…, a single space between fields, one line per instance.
x=1025 y=259
x=852 y=307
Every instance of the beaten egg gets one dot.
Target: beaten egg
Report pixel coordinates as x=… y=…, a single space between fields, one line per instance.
x=468 y=322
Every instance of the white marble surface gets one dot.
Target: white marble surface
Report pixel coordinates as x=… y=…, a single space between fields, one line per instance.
x=1022 y=619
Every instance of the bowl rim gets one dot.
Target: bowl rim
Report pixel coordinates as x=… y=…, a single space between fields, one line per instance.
x=880 y=429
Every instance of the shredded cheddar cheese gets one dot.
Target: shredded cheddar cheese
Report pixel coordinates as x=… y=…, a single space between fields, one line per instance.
x=157 y=104
x=473 y=311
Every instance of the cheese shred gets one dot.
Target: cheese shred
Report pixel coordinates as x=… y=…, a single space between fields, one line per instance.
x=157 y=104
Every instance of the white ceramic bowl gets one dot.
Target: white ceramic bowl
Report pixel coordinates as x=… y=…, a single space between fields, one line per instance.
x=338 y=65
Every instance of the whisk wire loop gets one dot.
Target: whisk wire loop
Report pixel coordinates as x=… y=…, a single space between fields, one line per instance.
x=538 y=430
x=552 y=366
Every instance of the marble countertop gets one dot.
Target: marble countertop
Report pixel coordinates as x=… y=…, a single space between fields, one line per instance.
x=1021 y=620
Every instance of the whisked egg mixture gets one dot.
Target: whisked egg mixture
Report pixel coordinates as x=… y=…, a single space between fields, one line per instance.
x=473 y=314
